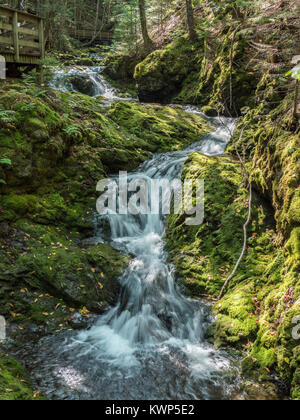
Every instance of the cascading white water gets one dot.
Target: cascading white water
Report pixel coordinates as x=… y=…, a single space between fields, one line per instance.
x=151 y=344
x=152 y=316
x=151 y=310
x=69 y=80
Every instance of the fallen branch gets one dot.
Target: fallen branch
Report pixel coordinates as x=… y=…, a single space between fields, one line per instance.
x=228 y=280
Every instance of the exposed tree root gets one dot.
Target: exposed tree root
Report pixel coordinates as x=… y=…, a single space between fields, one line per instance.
x=228 y=280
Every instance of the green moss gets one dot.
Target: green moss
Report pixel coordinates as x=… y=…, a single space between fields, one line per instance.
x=197 y=73
x=121 y=67
x=162 y=128
x=14 y=385
x=205 y=254
x=257 y=311
x=52 y=276
x=80 y=277
x=161 y=74
x=236 y=320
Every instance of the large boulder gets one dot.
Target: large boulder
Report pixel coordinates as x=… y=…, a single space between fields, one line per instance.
x=82 y=83
x=160 y=76
x=121 y=67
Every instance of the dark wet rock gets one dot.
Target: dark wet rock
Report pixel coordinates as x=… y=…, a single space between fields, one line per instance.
x=82 y=83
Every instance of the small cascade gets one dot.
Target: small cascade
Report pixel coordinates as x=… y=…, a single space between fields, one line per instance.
x=151 y=345
x=87 y=80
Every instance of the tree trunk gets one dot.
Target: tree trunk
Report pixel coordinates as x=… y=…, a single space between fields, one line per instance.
x=148 y=44
x=190 y=20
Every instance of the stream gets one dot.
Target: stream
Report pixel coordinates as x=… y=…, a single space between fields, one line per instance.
x=151 y=345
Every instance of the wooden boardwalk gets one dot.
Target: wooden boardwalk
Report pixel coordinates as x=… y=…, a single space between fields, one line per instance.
x=85 y=35
x=22 y=39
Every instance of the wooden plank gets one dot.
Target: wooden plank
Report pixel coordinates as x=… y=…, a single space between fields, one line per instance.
x=32 y=44
x=28 y=31
x=6 y=40
x=24 y=59
x=6 y=12
x=5 y=26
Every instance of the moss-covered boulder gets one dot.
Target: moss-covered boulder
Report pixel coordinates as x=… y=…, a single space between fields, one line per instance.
x=162 y=128
x=54 y=137
x=80 y=277
x=121 y=67
x=47 y=273
x=160 y=76
x=81 y=83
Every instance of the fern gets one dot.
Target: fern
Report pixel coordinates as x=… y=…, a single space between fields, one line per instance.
x=73 y=130
x=7 y=116
x=4 y=161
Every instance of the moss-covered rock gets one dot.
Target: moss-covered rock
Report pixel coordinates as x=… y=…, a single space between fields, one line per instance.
x=80 y=277
x=160 y=76
x=14 y=384
x=258 y=310
x=46 y=274
x=198 y=73
x=121 y=67
x=205 y=254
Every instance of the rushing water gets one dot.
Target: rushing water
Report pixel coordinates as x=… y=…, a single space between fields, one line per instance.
x=95 y=84
x=151 y=345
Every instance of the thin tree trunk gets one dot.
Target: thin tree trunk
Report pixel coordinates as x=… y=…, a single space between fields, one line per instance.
x=148 y=44
x=190 y=20
x=97 y=17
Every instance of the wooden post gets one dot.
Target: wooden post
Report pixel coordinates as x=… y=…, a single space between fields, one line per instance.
x=16 y=36
x=42 y=38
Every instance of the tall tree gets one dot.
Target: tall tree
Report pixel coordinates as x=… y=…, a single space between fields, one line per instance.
x=148 y=44
x=191 y=20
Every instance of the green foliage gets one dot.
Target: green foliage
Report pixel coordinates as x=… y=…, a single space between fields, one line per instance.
x=4 y=161
x=31 y=82
x=7 y=116
x=73 y=131
x=14 y=384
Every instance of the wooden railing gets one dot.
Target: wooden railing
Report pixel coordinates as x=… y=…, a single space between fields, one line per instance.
x=21 y=36
x=88 y=34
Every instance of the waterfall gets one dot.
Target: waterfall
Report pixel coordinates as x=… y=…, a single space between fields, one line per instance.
x=151 y=345
x=88 y=80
